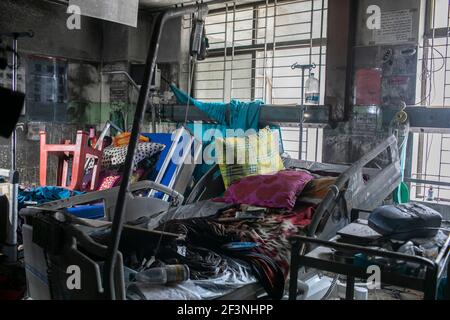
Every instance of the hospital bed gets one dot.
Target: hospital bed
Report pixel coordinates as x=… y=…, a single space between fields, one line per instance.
x=361 y=186
x=55 y=240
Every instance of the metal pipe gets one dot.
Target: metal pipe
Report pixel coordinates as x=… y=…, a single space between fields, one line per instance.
x=302 y=117
x=125 y=74
x=302 y=103
x=274 y=114
x=14 y=88
x=11 y=240
x=118 y=219
x=11 y=237
x=136 y=86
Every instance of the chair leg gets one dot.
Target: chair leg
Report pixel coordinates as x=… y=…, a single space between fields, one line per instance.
x=79 y=159
x=65 y=165
x=43 y=160
x=95 y=174
x=65 y=171
x=60 y=172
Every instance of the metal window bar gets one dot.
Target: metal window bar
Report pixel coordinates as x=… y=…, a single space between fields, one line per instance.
x=255 y=64
x=431 y=151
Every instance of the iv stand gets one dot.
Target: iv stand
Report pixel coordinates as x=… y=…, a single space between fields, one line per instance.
x=303 y=67
x=11 y=241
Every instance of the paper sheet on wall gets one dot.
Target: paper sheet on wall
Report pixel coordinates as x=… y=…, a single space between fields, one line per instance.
x=396 y=27
x=120 y=11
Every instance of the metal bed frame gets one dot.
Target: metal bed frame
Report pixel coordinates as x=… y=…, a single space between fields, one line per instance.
x=350 y=193
x=332 y=213
x=318 y=259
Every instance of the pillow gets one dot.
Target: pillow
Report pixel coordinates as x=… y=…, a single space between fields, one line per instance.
x=279 y=190
x=248 y=155
x=318 y=188
x=110 y=182
x=114 y=157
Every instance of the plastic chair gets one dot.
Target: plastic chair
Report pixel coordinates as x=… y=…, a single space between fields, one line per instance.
x=78 y=153
x=169 y=179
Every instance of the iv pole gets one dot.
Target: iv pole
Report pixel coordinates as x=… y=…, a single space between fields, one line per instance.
x=11 y=241
x=303 y=67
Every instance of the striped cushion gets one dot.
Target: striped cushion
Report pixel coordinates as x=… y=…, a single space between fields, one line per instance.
x=253 y=154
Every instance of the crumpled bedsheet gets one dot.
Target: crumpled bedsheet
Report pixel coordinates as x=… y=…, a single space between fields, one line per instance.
x=199 y=209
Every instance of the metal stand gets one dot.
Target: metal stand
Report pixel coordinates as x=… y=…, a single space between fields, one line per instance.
x=303 y=67
x=119 y=213
x=10 y=248
x=322 y=258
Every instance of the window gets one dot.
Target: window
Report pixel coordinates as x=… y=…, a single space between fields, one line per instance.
x=252 y=48
x=431 y=151
x=46 y=89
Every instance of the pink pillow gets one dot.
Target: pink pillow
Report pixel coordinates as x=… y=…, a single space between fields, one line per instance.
x=110 y=182
x=279 y=190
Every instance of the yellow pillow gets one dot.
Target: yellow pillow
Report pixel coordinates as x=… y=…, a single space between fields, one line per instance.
x=248 y=155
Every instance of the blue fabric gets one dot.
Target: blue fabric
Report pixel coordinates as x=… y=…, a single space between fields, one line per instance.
x=215 y=110
x=92 y=211
x=44 y=194
x=243 y=115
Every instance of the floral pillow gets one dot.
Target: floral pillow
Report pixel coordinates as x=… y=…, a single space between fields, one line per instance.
x=114 y=157
x=279 y=190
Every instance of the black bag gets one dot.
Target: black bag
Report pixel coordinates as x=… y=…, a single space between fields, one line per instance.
x=4 y=213
x=405 y=221
x=12 y=104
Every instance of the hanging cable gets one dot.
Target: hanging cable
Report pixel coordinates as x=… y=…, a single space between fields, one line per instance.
x=197 y=37
x=330 y=290
x=191 y=70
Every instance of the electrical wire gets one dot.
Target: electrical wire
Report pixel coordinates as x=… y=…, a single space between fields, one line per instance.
x=191 y=70
x=331 y=288
x=429 y=74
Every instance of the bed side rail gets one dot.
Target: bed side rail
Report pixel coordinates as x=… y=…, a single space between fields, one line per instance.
x=109 y=197
x=357 y=192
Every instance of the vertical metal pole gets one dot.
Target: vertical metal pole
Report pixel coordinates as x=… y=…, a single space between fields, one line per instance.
x=448 y=277
x=302 y=115
x=443 y=101
x=311 y=32
x=295 y=252
x=320 y=72
x=119 y=212
x=264 y=93
x=225 y=53
x=153 y=108
x=14 y=88
x=232 y=50
x=11 y=240
x=409 y=158
x=430 y=284
x=350 y=288
x=255 y=15
x=274 y=42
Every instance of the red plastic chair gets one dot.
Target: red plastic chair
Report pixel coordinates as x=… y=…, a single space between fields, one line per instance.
x=78 y=153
